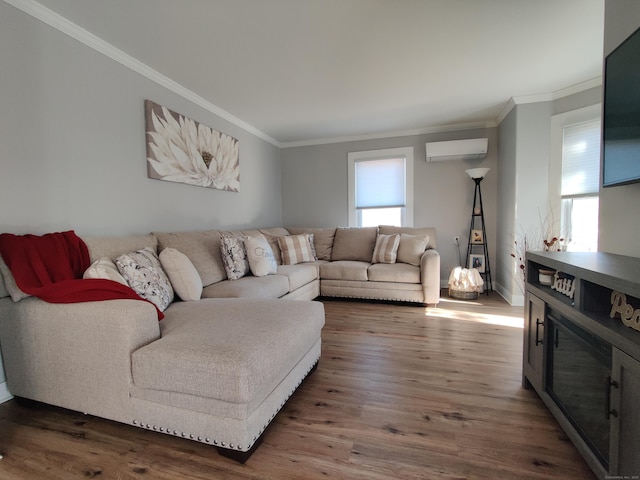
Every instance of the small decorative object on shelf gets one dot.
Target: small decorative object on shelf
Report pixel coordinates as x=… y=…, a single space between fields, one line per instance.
x=630 y=316
x=545 y=277
x=564 y=284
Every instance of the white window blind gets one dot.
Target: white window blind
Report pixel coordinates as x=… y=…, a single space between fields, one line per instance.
x=581 y=159
x=380 y=183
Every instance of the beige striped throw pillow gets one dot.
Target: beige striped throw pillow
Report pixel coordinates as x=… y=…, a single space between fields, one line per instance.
x=386 y=249
x=295 y=249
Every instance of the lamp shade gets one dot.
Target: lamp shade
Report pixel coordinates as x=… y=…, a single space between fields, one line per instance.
x=477 y=172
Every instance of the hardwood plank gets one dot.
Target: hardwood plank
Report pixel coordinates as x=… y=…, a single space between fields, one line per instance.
x=401 y=391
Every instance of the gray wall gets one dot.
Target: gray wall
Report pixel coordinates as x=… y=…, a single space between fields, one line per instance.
x=315 y=189
x=524 y=186
x=619 y=206
x=507 y=277
x=72 y=147
x=523 y=199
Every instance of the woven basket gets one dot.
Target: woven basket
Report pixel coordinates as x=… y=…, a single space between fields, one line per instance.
x=462 y=295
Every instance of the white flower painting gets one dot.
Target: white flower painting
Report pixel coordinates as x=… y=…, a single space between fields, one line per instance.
x=182 y=150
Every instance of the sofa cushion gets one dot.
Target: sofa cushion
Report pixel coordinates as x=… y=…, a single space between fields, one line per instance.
x=227 y=349
x=272 y=234
x=271 y=286
x=430 y=231
x=322 y=240
x=344 y=270
x=411 y=248
x=260 y=256
x=182 y=274
x=144 y=274
x=397 y=272
x=386 y=249
x=234 y=256
x=113 y=247
x=104 y=268
x=202 y=248
x=355 y=243
x=296 y=249
x=298 y=275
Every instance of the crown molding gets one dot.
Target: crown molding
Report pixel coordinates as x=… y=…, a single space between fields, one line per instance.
x=402 y=133
x=60 y=23
x=548 y=97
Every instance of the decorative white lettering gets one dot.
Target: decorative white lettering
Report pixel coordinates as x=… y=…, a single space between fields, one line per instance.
x=630 y=317
x=564 y=285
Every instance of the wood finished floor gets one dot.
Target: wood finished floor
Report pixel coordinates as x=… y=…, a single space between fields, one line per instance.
x=401 y=392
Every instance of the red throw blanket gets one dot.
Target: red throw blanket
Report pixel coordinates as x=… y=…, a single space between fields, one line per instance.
x=50 y=267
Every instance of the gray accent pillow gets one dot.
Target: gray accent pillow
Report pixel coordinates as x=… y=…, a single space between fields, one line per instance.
x=234 y=257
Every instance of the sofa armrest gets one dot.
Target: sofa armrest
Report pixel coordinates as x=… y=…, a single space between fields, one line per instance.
x=430 y=276
x=76 y=356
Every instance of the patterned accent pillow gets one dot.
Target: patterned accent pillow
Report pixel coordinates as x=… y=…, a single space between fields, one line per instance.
x=234 y=257
x=386 y=249
x=311 y=239
x=296 y=249
x=262 y=261
x=143 y=273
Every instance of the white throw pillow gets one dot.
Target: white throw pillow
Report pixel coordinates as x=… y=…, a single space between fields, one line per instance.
x=386 y=249
x=183 y=276
x=105 y=269
x=143 y=272
x=262 y=261
x=411 y=248
x=10 y=283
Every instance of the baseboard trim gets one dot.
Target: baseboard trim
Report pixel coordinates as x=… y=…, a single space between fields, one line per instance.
x=4 y=393
x=512 y=299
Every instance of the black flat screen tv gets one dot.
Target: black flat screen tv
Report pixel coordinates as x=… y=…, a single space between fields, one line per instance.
x=621 y=116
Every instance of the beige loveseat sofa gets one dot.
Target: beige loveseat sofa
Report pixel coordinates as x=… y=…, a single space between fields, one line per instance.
x=342 y=265
x=220 y=365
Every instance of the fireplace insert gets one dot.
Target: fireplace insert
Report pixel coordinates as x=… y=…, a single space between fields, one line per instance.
x=579 y=380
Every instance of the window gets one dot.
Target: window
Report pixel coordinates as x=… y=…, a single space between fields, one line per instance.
x=580 y=185
x=381 y=187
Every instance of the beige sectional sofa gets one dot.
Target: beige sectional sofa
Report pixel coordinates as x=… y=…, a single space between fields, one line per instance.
x=218 y=367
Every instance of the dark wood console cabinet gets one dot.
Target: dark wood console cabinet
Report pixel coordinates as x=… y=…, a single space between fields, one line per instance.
x=593 y=390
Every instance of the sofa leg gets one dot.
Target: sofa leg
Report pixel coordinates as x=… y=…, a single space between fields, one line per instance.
x=240 y=457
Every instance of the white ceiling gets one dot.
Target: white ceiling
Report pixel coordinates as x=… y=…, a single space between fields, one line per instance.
x=301 y=71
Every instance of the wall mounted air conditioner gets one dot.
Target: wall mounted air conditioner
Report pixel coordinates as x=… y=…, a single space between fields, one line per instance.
x=470 y=149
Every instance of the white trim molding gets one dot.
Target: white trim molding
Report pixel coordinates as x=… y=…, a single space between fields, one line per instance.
x=87 y=38
x=5 y=395
x=548 y=97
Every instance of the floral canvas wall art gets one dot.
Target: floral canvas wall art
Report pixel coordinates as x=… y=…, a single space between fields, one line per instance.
x=182 y=150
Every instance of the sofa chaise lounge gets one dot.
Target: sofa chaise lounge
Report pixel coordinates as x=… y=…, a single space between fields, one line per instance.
x=225 y=359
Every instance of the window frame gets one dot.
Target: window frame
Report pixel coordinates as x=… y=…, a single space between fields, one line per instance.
x=387 y=153
x=558 y=123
